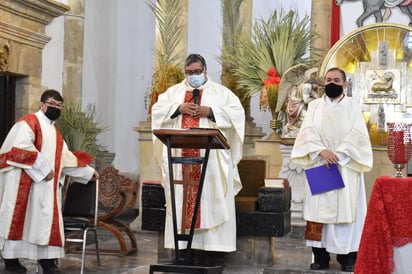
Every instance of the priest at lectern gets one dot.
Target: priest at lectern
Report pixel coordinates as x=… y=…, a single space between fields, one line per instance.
x=199 y=102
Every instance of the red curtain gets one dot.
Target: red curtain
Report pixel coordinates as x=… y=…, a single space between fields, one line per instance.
x=334 y=24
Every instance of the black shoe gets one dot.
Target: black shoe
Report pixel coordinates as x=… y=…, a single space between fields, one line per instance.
x=49 y=266
x=347 y=268
x=14 y=266
x=216 y=258
x=318 y=266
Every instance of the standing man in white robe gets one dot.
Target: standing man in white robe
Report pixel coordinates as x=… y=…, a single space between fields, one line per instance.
x=334 y=132
x=33 y=162
x=215 y=107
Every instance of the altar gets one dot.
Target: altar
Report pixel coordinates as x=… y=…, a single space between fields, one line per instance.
x=386 y=240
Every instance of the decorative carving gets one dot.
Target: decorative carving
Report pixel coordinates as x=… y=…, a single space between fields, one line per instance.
x=4 y=58
x=118 y=197
x=383 y=86
x=375 y=7
x=109 y=187
x=297 y=88
x=383 y=53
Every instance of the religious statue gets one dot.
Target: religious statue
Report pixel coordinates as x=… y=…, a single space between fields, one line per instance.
x=297 y=88
x=4 y=58
x=383 y=53
x=349 y=87
x=381 y=119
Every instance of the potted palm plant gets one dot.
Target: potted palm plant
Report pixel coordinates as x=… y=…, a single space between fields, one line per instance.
x=80 y=129
x=276 y=44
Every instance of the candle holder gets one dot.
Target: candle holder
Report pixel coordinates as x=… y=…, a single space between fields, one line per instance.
x=399 y=145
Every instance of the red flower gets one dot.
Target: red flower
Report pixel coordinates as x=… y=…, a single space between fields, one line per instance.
x=273 y=77
x=83 y=158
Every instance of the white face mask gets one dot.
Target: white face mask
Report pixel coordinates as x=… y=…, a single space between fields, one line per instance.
x=196 y=80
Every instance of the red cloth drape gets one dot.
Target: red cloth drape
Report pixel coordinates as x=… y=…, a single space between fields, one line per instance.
x=334 y=24
x=388 y=223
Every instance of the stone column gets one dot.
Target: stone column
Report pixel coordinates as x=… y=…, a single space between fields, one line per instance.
x=296 y=177
x=241 y=22
x=252 y=132
x=149 y=170
x=320 y=22
x=73 y=50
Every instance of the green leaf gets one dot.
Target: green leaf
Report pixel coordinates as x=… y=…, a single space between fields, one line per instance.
x=81 y=127
x=281 y=41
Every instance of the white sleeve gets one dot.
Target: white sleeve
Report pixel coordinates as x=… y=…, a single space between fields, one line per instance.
x=79 y=174
x=343 y=159
x=39 y=170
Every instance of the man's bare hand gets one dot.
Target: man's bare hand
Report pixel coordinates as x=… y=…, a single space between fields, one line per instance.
x=202 y=112
x=329 y=156
x=194 y=110
x=95 y=176
x=188 y=108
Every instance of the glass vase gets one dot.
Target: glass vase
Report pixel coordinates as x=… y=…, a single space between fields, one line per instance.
x=399 y=145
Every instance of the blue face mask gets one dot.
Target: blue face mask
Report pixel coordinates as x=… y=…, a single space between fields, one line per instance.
x=196 y=80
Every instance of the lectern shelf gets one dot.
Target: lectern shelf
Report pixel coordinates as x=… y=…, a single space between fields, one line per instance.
x=192 y=137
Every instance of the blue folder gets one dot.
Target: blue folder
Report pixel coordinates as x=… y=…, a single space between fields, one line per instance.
x=323 y=178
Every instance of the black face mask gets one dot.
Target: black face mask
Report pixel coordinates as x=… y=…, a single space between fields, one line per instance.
x=333 y=90
x=52 y=113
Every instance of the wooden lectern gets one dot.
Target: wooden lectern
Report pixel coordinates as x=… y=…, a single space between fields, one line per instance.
x=198 y=138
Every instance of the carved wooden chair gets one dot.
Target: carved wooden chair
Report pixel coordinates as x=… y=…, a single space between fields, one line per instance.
x=118 y=198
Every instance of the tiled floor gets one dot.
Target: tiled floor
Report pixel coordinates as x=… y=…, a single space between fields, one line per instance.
x=290 y=256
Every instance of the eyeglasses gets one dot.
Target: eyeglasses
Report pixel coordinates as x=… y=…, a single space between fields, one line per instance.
x=55 y=105
x=194 y=72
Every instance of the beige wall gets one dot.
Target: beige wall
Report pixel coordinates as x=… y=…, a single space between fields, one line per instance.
x=22 y=30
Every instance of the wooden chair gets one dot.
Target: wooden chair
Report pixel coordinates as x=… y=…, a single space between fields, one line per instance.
x=118 y=198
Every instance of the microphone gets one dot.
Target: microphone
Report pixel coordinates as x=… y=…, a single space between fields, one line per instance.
x=195 y=96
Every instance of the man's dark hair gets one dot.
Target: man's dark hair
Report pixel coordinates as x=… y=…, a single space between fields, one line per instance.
x=51 y=93
x=342 y=72
x=195 y=58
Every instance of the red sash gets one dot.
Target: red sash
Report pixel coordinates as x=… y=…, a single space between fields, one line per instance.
x=189 y=122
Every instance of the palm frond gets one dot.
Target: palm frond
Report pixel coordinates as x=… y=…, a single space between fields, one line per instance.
x=170 y=32
x=281 y=41
x=81 y=127
x=233 y=31
x=170 y=29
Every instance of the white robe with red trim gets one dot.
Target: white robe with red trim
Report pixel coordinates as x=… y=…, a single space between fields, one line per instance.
x=31 y=223
x=217 y=230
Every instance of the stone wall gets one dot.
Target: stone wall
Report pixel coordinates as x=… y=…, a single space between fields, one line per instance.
x=22 y=31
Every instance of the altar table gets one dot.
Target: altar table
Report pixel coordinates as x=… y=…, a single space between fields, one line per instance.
x=388 y=228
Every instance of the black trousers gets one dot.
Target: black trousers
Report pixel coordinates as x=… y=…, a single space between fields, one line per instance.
x=323 y=257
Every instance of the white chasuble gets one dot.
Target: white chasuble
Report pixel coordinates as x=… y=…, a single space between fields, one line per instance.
x=216 y=226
